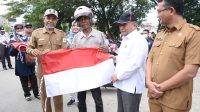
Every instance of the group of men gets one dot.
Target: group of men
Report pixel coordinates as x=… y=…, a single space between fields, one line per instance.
x=170 y=67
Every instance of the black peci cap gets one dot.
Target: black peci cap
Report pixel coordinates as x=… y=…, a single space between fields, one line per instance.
x=126 y=17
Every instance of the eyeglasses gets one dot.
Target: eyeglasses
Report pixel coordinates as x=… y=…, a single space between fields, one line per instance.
x=159 y=11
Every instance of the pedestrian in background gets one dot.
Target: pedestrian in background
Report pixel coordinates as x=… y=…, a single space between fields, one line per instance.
x=173 y=61
x=129 y=77
x=28 y=29
x=4 y=49
x=25 y=72
x=44 y=40
x=88 y=38
x=73 y=31
x=146 y=35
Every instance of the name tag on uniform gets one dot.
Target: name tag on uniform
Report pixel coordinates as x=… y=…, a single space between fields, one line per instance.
x=41 y=39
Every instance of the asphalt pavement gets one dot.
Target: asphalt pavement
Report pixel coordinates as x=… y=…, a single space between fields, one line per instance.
x=12 y=99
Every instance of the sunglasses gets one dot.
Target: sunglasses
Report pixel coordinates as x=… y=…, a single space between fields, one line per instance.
x=28 y=26
x=19 y=27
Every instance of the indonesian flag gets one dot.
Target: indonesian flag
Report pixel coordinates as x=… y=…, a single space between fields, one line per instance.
x=19 y=46
x=73 y=70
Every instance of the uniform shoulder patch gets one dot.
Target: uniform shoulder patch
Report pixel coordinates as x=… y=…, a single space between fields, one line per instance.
x=38 y=29
x=194 y=27
x=60 y=30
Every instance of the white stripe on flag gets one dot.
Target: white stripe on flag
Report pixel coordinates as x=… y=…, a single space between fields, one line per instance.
x=79 y=79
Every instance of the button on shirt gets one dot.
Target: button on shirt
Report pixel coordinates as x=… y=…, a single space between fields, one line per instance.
x=131 y=62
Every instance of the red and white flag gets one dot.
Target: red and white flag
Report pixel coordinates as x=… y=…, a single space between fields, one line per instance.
x=19 y=46
x=72 y=70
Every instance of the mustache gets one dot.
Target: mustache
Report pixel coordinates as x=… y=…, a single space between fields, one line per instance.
x=47 y=25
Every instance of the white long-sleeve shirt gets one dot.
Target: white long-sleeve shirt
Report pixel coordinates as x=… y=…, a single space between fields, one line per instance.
x=4 y=38
x=131 y=62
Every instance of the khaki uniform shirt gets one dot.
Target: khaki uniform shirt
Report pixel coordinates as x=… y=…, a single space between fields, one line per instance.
x=42 y=40
x=172 y=49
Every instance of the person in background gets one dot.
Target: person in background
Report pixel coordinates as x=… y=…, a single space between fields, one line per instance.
x=28 y=29
x=73 y=31
x=42 y=41
x=4 y=49
x=146 y=35
x=26 y=73
x=153 y=35
x=129 y=76
x=173 y=61
x=88 y=38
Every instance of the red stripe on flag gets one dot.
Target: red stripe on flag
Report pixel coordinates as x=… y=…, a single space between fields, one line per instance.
x=65 y=59
x=22 y=46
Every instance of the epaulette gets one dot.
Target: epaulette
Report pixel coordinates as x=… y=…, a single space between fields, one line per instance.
x=194 y=27
x=38 y=29
x=59 y=30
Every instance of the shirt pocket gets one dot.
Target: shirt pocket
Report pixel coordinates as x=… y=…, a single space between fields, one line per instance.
x=176 y=49
x=156 y=46
x=57 y=43
x=42 y=43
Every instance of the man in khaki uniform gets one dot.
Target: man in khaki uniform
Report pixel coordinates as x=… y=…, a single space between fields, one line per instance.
x=42 y=41
x=173 y=61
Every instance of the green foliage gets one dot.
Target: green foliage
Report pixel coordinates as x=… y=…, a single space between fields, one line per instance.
x=6 y=26
x=106 y=11
x=191 y=11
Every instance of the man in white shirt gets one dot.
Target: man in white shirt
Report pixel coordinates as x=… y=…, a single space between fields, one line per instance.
x=4 y=44
x=129 y=77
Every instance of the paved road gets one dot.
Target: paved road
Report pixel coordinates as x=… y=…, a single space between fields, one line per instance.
x=12 y=100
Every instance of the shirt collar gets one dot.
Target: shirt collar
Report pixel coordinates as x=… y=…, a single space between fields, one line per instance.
x=177 y=26
x=92 y=34
x=45 y=30
x=130 y=35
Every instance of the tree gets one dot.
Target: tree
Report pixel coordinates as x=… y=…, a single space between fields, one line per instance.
x=106 y=11
x=191 y=11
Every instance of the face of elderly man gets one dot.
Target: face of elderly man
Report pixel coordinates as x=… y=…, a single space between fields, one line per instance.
x=50 y=21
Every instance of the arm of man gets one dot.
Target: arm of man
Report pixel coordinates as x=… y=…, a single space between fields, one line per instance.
x=190 y=69
x=31 y=48
x=152 y=86
x=180 y=78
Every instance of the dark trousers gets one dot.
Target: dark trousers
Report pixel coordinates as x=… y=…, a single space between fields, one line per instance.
x=5 y=56
x=96 y=94
x=128 y=102
x=24 y=82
